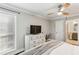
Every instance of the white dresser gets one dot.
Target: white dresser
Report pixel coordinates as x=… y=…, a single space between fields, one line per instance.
x=34 y=40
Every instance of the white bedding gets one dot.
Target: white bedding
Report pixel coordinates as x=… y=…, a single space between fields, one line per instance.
x=65 y=49
x=53 y=48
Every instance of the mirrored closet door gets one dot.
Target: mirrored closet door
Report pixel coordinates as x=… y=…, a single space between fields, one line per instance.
x=72 y=31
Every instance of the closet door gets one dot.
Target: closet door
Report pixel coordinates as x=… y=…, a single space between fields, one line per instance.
x=59 y=30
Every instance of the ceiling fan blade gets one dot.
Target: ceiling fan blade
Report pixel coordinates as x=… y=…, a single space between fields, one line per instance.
x=66 y=5
x=66 y=14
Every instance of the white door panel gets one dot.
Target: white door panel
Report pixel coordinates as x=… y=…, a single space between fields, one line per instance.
x=59 y=30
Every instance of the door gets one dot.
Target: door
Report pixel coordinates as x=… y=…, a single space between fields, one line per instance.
x=59 y=30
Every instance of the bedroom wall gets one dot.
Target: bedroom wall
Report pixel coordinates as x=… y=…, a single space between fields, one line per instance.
x=23 y=24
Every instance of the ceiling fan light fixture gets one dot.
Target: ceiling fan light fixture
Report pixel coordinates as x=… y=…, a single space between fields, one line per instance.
x=62 y=9
x=59 y=13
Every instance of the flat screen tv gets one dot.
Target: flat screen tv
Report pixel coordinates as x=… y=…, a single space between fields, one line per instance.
x=35 y=29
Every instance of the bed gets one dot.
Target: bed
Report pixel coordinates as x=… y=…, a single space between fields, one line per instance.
x=65 y=48
x=53 y=48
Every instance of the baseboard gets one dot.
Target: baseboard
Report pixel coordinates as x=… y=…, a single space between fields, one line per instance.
x=15 y=52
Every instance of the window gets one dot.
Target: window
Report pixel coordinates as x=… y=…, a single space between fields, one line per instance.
x=7 y=32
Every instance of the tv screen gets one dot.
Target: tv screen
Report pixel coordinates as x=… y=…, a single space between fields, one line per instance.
x=35 y=29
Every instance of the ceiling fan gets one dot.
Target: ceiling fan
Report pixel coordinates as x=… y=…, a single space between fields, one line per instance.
x=61 y=9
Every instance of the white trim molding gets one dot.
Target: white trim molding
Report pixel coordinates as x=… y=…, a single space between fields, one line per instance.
x=15 y=51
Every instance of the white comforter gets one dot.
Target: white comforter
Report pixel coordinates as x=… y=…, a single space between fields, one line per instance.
x=53 y=48
x=65 y=49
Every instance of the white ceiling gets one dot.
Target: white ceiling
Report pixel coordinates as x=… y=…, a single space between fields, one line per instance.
x=43 y=9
